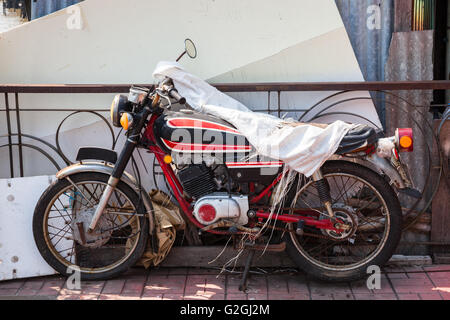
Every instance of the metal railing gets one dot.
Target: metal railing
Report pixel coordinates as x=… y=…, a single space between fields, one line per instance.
x=339 y=88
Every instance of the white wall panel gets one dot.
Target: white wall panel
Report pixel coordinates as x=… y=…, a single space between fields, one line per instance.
x=19 y=257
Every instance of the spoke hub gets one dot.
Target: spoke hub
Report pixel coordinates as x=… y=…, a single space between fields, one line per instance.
x=348 y=222
x=96 y=238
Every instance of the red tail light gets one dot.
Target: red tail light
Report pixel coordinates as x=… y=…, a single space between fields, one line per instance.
x=404 y=139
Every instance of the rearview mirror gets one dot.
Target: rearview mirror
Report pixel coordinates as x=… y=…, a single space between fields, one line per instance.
x=189 y=46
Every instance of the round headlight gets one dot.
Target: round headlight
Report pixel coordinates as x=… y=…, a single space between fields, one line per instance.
x=119 y=105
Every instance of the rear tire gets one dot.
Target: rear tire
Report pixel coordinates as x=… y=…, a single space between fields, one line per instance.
x=56 y=260
x=392 y=231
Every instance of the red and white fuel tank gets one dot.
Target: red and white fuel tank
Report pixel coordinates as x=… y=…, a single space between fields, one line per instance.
x=198 y=136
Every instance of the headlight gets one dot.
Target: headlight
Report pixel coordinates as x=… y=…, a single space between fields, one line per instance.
x=119 y=105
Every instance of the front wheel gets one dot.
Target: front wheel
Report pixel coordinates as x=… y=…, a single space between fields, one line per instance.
x=61 y=219
x=361 y=199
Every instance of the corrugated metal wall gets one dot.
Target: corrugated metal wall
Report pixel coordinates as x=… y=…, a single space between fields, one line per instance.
x=370 y=32
x=40 y=8
x=407 y=57
x=371 y=45
x=411 y=58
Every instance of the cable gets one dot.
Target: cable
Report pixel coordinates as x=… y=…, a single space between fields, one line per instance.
x=116 y=138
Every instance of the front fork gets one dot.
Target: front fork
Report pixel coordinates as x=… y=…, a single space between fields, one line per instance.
x=122 y=161
x=113 y=181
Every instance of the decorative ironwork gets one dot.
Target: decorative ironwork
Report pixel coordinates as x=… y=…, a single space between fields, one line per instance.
x=324 y=105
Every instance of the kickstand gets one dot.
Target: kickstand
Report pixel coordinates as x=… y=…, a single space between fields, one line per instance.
x=248 y=263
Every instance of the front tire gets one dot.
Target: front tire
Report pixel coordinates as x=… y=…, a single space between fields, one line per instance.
x=375 y=216
x=62 y=207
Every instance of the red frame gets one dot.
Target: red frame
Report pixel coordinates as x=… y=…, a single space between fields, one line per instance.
x=177 y=190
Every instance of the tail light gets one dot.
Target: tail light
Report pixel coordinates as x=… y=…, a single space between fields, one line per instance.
x=404 y=139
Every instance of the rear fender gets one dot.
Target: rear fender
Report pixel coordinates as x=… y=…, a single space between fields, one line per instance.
x=393 y=168
x=384 y=166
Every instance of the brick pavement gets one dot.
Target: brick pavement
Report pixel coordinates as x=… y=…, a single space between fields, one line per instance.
x=413 y=283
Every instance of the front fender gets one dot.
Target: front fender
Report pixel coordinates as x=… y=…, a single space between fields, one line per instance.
x=127 y=178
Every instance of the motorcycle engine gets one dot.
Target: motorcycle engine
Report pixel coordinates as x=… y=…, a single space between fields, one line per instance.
x=211 y=205
x=197 y=180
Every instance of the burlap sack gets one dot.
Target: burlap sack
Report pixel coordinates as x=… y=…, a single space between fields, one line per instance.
x=167 y=221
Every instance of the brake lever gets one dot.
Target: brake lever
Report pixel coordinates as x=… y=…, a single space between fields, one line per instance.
x=169 y=105
x=163 y=94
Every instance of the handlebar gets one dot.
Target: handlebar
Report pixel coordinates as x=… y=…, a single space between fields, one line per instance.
x=174 y=94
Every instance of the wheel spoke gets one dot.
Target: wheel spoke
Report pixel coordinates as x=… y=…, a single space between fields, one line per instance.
x=353 y=201
x=59 y=212
x=112 y=241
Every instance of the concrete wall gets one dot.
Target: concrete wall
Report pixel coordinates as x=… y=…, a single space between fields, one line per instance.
x=121 y=43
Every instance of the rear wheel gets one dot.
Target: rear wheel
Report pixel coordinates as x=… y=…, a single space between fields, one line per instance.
x=362 y=200
x=61 y=219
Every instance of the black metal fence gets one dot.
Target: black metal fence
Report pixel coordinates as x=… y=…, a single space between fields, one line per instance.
x=12 y=109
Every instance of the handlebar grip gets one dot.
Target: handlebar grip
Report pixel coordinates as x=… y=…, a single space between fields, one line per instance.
x=174 y=94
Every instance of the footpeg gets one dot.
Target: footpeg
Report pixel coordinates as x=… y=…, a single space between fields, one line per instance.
x=300 y=226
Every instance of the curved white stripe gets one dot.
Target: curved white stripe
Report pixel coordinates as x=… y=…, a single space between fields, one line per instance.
x=234 y=131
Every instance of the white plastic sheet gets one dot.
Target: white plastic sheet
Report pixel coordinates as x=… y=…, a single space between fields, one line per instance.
x=302 y=147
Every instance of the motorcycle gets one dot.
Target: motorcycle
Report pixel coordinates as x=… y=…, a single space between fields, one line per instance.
x=334 y=224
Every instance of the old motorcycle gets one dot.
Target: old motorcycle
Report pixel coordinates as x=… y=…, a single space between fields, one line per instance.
x=334 y=225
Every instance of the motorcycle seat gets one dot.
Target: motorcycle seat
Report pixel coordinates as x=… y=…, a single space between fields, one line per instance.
x=356 y=138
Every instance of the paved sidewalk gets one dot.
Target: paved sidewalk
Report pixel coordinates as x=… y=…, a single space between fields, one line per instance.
x=411 y=283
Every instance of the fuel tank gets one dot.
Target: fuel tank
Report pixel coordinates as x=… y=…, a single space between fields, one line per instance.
x=192 y=137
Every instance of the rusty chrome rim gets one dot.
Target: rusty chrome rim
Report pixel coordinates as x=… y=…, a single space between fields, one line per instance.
x=60 y=213
x=369 y=210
